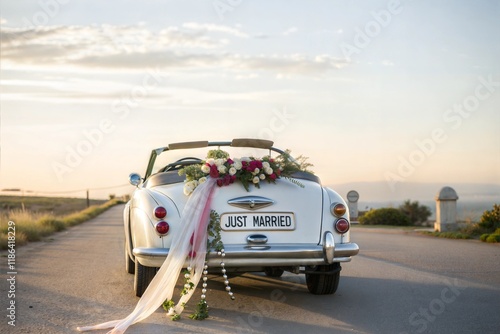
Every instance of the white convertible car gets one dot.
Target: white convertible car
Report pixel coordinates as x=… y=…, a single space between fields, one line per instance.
x=289 y=223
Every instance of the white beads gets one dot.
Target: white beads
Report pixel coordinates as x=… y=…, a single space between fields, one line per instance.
x=222 y=254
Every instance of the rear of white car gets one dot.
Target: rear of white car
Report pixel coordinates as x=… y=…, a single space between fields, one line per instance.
x=293 y=225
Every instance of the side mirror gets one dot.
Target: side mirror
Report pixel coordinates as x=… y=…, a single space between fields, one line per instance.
x=134 y=179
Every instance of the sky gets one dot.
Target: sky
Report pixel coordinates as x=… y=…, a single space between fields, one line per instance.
x=386 y=92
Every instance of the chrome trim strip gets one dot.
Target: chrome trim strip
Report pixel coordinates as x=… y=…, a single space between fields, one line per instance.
x=251 y=202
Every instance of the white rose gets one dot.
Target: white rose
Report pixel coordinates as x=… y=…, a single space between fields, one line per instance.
x=247 y=159
x=232 y=171
x=262 y=176
x=237 y=164
x=210 y=161
x=189 y=188
x=205 y=169
x=256 y=171
x=187 y=191
x=202 y=180
x=255 y=179
x=219 y=162
x=268 y=171
x=266 y=165
x=222 y=169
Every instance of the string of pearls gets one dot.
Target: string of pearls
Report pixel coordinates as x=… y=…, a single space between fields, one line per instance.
x=222 y=254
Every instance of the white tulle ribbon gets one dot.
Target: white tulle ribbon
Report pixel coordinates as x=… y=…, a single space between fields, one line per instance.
x=194 y=222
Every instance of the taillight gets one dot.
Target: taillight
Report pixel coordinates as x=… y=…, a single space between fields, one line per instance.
x=338 y=209
x=342 y=225
x=162 y=227
x=160 y=212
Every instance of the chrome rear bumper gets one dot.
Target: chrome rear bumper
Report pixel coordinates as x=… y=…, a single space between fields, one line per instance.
x=267 y=255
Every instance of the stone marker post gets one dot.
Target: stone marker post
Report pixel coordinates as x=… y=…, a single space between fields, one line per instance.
x=352 y=203
x=446 y=210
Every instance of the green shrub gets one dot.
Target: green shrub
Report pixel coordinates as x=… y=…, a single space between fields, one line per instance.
x=417 y=213
x=493 y=238
x=483 y=237
x=491 y=218
x=385 y=216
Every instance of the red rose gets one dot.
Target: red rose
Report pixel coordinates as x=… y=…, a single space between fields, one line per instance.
x=214 y=173
x=273 y=176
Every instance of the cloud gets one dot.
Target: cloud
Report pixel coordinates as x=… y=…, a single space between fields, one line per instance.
x=136 y=47
x=290 y=31
x=210 y=27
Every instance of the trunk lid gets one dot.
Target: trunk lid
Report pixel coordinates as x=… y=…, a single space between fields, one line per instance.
x=283 y=213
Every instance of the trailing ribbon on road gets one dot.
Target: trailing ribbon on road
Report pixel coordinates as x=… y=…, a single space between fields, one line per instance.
x=194 y=222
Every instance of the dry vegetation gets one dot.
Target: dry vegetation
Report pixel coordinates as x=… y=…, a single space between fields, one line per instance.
x=39 y=217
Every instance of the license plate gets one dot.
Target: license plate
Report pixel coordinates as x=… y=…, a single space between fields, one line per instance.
x=280 y=221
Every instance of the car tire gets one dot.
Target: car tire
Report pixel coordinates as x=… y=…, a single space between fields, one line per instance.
x=323 y=280
x=273 y=272
x=129 y=264
x=143 y=276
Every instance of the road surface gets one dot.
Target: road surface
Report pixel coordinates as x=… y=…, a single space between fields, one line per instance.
x=399 y=283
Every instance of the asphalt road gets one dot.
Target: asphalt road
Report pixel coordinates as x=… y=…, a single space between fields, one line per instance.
x=399 y=283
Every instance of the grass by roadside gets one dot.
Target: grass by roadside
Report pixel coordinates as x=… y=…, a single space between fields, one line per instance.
x=59 y=206
x=448 y=235
x=33 y=226
x=385 y=227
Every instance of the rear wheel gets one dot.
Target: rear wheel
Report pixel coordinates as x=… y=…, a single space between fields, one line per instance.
x=143 y=276
x=273 y=272
x=323 y=280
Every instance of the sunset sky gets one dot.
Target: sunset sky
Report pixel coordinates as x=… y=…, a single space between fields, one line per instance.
x=391 y=91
